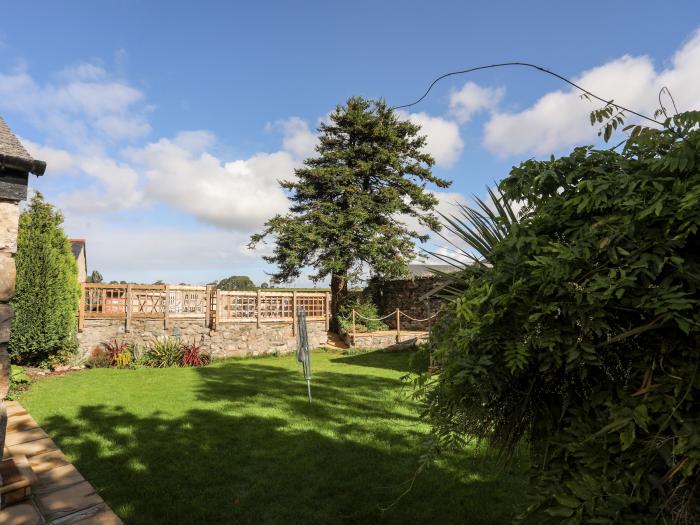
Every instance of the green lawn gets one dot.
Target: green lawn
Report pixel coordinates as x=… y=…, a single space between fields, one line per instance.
x=238 y=442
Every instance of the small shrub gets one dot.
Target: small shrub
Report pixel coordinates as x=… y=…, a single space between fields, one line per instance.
x=138 y=353
x=193 y=355
x=99 y=358
x=19 y=381
x=123 y=359
x=114 y=349
x=163 y=352
x=363 y=308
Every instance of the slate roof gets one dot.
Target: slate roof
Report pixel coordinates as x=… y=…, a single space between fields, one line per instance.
x=426 y=270
x=76 y=246
x=13 y=154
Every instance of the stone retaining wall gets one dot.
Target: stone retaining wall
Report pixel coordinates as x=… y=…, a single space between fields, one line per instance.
x=386 y=340
x=229 y=340
x=406 y=295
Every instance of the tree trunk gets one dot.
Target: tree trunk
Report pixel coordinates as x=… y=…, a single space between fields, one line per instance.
x=339 y=290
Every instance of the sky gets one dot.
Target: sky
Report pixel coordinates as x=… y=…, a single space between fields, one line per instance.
x=166 y=125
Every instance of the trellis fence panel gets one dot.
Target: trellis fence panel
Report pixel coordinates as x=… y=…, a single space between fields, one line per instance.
x=170 y=302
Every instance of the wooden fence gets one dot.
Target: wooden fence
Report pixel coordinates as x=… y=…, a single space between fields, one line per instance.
x=212 y=306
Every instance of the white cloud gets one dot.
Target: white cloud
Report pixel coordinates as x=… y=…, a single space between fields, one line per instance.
x=444 y=141
x=297 y=138
x=560 y=119
x=58 y=160
x=473 y=98
x=240 y=195
x=83 y=71
x=81 y=107
x=149 y=252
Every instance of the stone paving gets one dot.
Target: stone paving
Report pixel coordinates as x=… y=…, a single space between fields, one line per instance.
x=60 y=496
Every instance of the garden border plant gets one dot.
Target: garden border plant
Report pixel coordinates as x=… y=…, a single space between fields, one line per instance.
x=161 y=352
x=576 y=332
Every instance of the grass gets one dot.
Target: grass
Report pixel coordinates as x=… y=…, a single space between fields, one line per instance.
x=238 y=442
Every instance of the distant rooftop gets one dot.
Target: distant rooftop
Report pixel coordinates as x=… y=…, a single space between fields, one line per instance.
x=428 y=270
x=76 y=246
x=13 y=155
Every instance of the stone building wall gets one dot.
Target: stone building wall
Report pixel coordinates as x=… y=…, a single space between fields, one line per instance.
x=228 y=340
x=407 y=295
x=9 y=219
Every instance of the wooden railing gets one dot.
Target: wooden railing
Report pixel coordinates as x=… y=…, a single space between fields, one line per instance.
x=167 y=302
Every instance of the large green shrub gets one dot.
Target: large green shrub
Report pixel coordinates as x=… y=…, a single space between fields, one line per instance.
x=581 y=338
x=46 y=301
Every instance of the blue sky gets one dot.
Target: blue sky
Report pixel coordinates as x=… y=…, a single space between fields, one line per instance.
x=166 y=125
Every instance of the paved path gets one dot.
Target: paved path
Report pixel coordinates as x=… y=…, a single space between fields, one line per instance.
x=61 y=496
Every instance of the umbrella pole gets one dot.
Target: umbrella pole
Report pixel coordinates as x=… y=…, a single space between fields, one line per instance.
x=308 y=388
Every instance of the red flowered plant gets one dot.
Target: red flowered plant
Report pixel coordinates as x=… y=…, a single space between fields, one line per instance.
x=114 y=348
x=193 y=355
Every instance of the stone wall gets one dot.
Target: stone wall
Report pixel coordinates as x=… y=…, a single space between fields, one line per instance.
x=9 y=219
x=386 y=340
x=407 y=295
x=228 y=340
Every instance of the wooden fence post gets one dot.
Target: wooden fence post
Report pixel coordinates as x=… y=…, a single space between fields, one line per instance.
x=207 y=307
x=129 y=300
x=294 y=312
x=81 y=308
x=428 y=309
x=166 y=307
x=353 y=327
x=398 y=325
x=257 y=306
x=219 y=309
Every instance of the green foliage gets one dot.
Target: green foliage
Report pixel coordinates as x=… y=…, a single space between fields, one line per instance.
x=581 y=338
x=94 y=277
x=19 y=381
x=364 y=308
x=164 y=352
x=44 y=326
x=370 y=168
x=236 y=282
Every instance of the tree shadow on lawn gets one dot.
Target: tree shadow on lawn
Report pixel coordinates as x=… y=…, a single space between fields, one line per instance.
x=404 y=360
x=276 y=458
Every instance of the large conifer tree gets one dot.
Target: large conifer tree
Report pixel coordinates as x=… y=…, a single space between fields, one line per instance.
x=348 y=202
x=45 y=304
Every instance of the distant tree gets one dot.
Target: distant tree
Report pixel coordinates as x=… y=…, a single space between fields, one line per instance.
x=94 y=277
x=264 y=285
x=348 y=201
x=236 y=282
x=159 y=281
x=44 y=327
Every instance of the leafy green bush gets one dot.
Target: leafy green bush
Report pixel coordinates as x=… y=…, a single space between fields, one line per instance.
x=580 y=337
x=44 y=326
x=19 y=381
x=364 y=308
x=99 y=358
x=164 y=352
